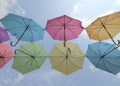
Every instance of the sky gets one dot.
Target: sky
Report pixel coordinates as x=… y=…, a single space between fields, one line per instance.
x=41 y=11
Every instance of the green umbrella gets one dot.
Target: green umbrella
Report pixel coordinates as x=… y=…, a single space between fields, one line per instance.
x=29 y=57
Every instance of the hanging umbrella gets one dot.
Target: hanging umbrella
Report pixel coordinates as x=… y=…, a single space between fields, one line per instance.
x=3 y=35
x=64 y=28
x=29 y=57
x=66 y=59
x=22 y=28
x=104 y=56
x=5 y=54
x=105 y=27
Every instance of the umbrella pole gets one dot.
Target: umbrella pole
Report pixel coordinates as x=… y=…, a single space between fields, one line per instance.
x=64 y=36
x=64 y=33
x=109 y=33
x=13 y=45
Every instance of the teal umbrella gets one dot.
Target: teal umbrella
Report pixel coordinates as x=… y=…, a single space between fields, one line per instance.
x=29 y=57
x=104 y=56
x=22 y=28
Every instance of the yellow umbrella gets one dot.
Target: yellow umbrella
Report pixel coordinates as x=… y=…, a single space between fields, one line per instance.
x=66 y=59
x=105 y=27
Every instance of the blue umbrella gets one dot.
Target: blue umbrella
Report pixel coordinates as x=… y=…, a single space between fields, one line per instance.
x=22 y=28
x=104 y=56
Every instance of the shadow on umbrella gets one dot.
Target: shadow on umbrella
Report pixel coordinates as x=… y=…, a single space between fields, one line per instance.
x=104 y=56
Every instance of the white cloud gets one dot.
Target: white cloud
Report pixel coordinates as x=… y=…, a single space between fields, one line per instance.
x=117 y=2
x=86 y=22
x=76 y=9
x=13 y=80
x=118 y=76
x=7 y=6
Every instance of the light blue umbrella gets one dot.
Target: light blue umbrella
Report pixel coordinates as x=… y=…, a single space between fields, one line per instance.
x=104 y=56
x=22 y=28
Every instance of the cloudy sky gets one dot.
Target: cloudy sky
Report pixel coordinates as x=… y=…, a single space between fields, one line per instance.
x=42 y=10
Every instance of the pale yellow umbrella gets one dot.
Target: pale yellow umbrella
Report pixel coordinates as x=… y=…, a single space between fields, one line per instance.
x=105 y=27
x=66 y=59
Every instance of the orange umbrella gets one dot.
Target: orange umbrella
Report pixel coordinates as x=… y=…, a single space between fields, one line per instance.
x=105 y=27
x=5 y=54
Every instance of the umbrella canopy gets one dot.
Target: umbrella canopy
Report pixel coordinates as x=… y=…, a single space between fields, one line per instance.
x=22 y=28
x=64 y=28
x=29 y=57
x=3 y=35
x=66 y=59
x=104 y=56
x=105 y=27
x=5 y=54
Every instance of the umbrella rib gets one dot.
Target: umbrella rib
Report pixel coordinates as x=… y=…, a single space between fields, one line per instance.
x=23 y=63
x=57 y=31
x=59 y=21
x=72 y=32
x=40 y=50
x=60 y=50
x=107 y=32
x=53 y=25
x=23 y=21
x=64 y=21
x=112 y=63
x=6 y=21
x=73 y=63
x=26 y=50
x=36 y=61
x=23 y=52
x=34 y=30
x=99 y=34
x=107 y=52
x=19 y=28
x=60 y=62
x=69 y=21
x=31 y=61
x=93 y=51
x=31 y=34
x=66 y=66
x=99 y=49
x=107 y=68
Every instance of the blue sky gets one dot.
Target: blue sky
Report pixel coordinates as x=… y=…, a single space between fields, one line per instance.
x=42 y=10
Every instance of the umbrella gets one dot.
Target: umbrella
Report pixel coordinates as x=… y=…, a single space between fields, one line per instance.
x=64 y=28
x=29 y=57
x=5 y=54
x=22 y=28
x=105 y=27
x=3 y=35
x=66 y=59
x=104 y=56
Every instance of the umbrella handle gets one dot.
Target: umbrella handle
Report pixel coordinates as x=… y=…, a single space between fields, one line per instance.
x=118 y=42
x=15 y=51
x=13 y=45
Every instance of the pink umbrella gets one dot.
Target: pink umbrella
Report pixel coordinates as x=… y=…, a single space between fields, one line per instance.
x=64 y=28
x=3 y=35
x=5 y=54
